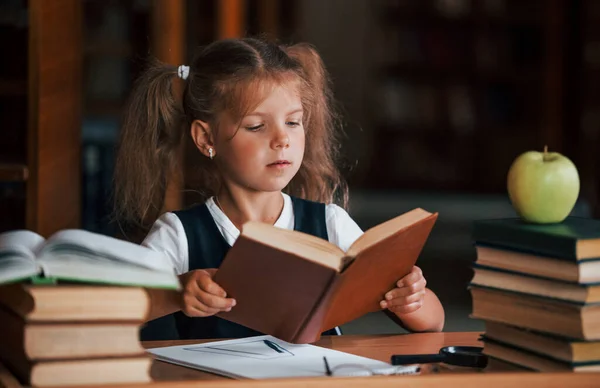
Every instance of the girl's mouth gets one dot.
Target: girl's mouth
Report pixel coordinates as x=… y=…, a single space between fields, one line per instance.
x=279 y=164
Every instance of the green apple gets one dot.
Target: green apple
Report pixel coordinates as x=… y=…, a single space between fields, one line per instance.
x=543 y=186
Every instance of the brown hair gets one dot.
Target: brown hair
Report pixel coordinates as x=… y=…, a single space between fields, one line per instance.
x=219 y=80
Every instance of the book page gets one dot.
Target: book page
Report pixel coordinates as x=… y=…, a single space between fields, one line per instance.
x=82 y=268
x=265 y=357
x=375 y=271
x=105 y=248
x=311 y=248
x=21 y=243
x=17 y=261
x=15 y=268
x=384 y=230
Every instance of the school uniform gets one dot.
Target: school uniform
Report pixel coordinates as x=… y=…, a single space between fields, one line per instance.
x=199 y=238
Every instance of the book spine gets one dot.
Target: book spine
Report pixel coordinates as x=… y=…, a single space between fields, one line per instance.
x=570 y=364
x=39 y=280
x=533 y=276
x=525 y=241
x=529 y=312
x=527 y=294
x=312 y=328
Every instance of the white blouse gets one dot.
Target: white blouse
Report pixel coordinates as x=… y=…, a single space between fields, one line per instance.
x=167 y=234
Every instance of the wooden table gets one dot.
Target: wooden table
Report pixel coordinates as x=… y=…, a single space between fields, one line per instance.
x=380 y=347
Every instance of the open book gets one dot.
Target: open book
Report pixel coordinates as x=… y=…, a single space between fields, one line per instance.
x=294 y=286
x=82 y=256
x=266 y=357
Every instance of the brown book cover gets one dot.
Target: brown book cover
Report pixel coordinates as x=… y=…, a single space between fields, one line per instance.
x=533 y=285
x=496 y=365
x=534 y=361
x=52 y=341
x=294 y=286
x=79 y=372
x=69 y=303
x=583 y=272
x=537 y=313
x=561 y=348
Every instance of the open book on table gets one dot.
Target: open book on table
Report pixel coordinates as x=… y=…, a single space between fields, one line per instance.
x=295 y=286
x=265 y=357
x=81 y=256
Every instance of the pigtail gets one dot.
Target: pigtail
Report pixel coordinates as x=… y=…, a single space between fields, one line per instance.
x=319 y=178
x=147 y=153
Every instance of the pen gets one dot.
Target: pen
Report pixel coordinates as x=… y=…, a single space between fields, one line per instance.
x=273 y=346
x=327 y=369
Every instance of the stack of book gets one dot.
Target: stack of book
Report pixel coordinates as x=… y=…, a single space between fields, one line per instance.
x=71 y=307
x=537 y=287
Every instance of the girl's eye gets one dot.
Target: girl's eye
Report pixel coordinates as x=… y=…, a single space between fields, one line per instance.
x=293 y=123
x=254 y=128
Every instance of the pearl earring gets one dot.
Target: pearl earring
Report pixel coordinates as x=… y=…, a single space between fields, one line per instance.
x=210 y=153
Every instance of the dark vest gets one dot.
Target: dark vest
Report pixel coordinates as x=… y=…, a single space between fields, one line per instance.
x=207 y=249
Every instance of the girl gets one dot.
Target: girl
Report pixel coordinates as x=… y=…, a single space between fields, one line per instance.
x=261 y=116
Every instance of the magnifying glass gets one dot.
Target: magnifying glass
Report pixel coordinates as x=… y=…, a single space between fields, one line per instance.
x=469 y=356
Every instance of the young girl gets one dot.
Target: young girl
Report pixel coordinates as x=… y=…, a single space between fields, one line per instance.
x=261 y=116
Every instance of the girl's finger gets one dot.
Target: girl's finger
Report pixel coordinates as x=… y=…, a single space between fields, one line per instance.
x=409 y=279
x=215 y=302
x=406 y=300
x=405 y=291
x=192 y=307
x=405 y=309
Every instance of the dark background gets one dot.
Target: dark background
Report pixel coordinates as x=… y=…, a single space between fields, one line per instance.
x=438 y=98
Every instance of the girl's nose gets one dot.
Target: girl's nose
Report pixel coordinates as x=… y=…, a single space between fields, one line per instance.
x=281 y=139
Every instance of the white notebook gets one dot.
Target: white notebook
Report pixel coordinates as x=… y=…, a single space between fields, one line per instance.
x=266 y=357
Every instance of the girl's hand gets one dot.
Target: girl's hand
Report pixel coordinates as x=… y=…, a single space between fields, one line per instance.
x=409 y=295
x=201 y=296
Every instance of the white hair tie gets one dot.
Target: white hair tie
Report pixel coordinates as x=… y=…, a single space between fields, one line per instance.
x=183 y=71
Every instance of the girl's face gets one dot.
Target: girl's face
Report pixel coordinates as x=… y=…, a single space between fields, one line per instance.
x=264 y=151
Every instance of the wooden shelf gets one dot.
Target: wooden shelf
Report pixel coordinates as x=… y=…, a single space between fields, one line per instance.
x=515 y=70
x=13 y=172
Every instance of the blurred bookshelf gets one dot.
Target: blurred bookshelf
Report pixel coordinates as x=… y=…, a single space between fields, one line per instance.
x=461 y=88
x=584 y=101
x=39 y=176
x=115 y=40
x=119 y=37
x=13 y=115
x=458 y=89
